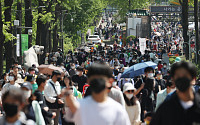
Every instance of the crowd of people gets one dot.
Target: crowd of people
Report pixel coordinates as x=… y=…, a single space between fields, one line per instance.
x=91 y=91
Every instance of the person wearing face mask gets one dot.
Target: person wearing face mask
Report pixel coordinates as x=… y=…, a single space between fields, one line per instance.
x=160 y=82
x=139 y=85
x=132 y=104
x=72 y=70
x=148 y=97
x=13 y=105
x=12 y=84
x=52 y=93
x=48 y=116
x=31 y=71
x=163 y=93
x=183 y=105
x=147 y=118
x=79 y=78
x=93 y=109
x=164 y=69
x=31 y=79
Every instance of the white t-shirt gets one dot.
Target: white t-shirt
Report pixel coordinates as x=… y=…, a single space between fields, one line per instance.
x=91 y=112
x=187 y=105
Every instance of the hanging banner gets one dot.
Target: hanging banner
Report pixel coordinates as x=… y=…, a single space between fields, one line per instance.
x=18 y=46
x=142 y=42
x=24 y=42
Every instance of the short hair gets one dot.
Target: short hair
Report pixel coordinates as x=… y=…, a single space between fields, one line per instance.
x=169 y=83
x=148 y=69
x=12 y=74
x=56 y=72
x=13 y=67
x=99 y=69
x=15 y=94
x=79 y=68
x=148 y=114
x=31 y=69
x=191 y=68
x=41 y=79
x=15 y=62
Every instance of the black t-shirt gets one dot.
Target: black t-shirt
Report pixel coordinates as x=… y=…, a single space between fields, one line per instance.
x=160 y=83
x=80 y=80
x=42 y=102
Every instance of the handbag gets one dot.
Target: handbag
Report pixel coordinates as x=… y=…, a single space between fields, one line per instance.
x=54 y=105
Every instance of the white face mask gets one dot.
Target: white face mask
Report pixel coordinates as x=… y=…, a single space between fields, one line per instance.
x=129 y=96
x=172 y=90
x=77 y=72
x=10 y=78
x=114 y=83
x=73 y=67
x=164 y=66
x=150 y=75
x=27 y=94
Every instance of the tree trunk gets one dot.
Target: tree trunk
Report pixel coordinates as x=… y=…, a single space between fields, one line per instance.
x=1 y=41
x=39 y=24
x=28 y=19
x=8 y=45
x=55 y=33
x=196 y=29
x=184 y=4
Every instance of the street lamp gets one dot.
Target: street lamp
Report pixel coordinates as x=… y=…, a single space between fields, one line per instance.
x=72 y=20
x=29 y=31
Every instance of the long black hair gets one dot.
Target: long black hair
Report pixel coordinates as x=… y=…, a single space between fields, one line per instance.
x=130 y=102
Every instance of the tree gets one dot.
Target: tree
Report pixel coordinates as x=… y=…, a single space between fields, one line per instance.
x=125 y=5
x=184 y=4
x=8 y=45
x=55 y=30
x=28 y=19
x=1 y=41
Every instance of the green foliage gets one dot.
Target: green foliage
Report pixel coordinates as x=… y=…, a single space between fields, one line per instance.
x=128 y=38
x=46 y=18
x=8 y=36
x=123 y=6
x=172 y=59
x=68 y=45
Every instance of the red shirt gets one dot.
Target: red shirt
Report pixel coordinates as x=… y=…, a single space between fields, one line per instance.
x=160 y=66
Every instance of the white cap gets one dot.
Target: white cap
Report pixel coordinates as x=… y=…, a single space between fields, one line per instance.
x=128 y=86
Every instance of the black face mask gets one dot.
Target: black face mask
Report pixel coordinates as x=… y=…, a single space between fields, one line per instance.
x=182 y=84
x=97 y=85
x=58 y=79
x=10 y=109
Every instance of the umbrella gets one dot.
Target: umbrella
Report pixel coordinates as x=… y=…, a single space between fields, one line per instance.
x=137 y=69
x=48 y=69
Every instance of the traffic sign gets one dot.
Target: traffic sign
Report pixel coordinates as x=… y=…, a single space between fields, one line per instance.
x=165 y=9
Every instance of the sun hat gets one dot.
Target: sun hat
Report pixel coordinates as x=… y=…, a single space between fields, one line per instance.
x=128 y=86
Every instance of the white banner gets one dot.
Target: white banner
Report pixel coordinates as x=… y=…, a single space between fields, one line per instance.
x=18 y=46
x=142 y=44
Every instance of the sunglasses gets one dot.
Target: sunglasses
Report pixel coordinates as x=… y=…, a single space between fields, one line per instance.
x=130 y=91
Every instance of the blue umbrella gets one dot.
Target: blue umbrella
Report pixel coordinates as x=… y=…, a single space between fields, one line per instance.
x=137 y=69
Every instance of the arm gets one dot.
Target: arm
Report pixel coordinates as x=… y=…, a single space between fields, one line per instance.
x=40 y=100
x=48 y=94
x=159 y=100
x=71 y=103
x=137 y=112
x=121 y=99
x=139 y=89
